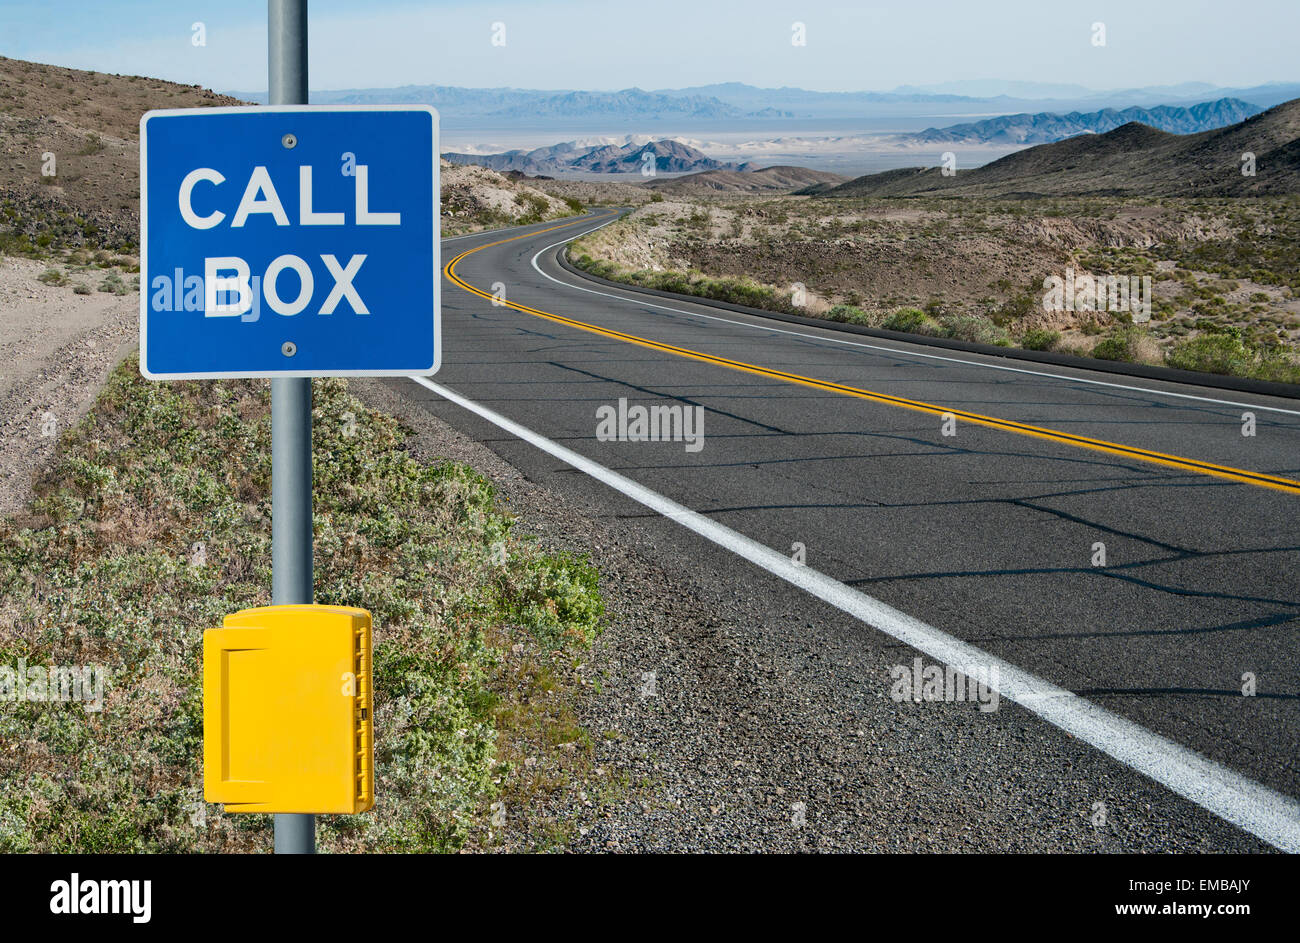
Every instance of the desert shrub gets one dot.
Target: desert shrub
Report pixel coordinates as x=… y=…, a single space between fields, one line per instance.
x=1126 y=345
x=1040 y=339
x=113 y=283
x=598 y=267
x=94 y=144
x=911 y=320
x=849 y=314
x=700 y=219
x=733 y=290
x=1014 y=309
x=974 y=328
x=534 y=206
x=1225 y=354
x=1278 y=367
x=738 y=291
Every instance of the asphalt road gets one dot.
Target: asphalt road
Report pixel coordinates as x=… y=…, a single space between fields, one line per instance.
x=989 y=535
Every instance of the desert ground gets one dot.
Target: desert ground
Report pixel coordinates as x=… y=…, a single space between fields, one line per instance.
x=975 y=269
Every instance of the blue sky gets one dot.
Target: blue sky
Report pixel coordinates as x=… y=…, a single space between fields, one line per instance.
x=672 y=43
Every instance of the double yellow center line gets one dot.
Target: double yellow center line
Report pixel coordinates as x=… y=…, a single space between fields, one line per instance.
x=1020 y=428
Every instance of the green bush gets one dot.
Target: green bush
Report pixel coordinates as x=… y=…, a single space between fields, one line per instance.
x=598 y=267
x=733 y=290
x=1040 y=339
x=1229 y=354
x=1225 y=354
x=739 y=291
x=1277 y=368
x=535 y=207
x=1014 y=309
x=113 y=283
x=911 y=320
x=700 y=219
x=974 y=328
x=848 y=314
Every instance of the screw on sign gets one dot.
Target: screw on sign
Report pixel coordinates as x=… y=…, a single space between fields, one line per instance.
x=289 y=241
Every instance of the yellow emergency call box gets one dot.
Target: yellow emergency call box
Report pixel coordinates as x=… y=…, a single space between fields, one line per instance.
x=287 y=715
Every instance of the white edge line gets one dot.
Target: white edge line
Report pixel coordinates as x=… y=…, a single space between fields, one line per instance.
x=893 y=350
x=1250 y=806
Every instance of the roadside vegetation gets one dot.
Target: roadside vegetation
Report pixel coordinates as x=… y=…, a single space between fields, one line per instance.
x=475 y=198
x=153 y=522
x=1224 y=273
x=735 y=290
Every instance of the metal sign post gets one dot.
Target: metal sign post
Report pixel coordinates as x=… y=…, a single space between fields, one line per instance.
x=340 y=205
x=291 y=532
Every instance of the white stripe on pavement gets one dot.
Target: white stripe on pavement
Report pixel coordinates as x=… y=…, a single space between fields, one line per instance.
x=1261 y=811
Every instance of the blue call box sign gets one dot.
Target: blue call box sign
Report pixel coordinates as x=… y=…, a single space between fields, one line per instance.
x=289 y=241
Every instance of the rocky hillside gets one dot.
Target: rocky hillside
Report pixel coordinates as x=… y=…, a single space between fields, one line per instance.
x=767 y=180
x=70 y=161
x=669 y=157
x=85 y=128
x=1132 y=160
x=1046 y=127
x=476 y=198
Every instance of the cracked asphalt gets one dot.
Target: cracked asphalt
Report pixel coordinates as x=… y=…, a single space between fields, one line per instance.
x=1157 y=592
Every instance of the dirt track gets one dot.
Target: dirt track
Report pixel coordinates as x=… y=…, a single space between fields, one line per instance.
x=56 y=349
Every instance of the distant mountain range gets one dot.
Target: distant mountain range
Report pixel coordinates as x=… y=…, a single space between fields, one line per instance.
x=634 y=103
x=516 y=103
x=1008 y=130
x=1045 y=127
x=1131 y=160
x=729 y=101
x=668 y=157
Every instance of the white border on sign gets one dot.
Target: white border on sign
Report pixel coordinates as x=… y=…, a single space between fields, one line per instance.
x=239 y=374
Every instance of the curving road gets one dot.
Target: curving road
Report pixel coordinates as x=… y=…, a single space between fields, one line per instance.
x=988 y=538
